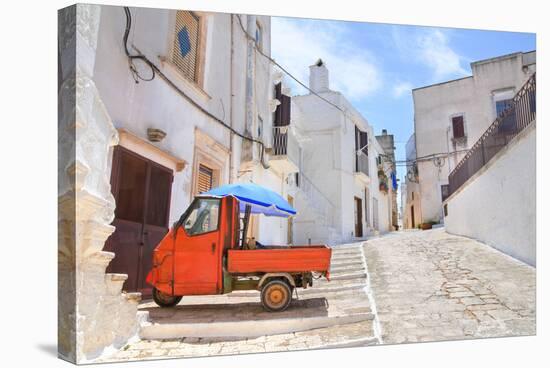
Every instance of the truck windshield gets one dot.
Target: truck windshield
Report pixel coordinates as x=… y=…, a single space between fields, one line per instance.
x=203 y=216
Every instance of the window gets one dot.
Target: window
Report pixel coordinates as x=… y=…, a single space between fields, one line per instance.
x=502 y=105
x=185 y=49
x=458 y=126
x=508 y=120
x=206 y=178
x=259 y=36
x=445 y=210
x=203 y=216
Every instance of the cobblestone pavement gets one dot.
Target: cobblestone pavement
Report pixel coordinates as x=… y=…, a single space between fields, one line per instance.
x=344 y=296
x=430 y=286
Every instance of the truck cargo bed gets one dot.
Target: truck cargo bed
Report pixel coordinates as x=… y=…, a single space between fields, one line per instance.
x=280 y=259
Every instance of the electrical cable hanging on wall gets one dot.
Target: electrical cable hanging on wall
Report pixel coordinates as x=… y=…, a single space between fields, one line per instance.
x=156 y=71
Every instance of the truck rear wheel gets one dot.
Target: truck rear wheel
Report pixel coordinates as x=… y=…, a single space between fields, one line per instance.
x=165 y=300
x=276 y=296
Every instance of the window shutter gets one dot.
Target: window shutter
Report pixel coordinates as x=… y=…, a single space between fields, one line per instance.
x=285 y=107
x=458 y=127
x=278 y=113
x=205 y=179
x=282 y=113
x=185 y=54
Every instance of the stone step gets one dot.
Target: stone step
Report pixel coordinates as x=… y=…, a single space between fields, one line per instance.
x=347 y=275
x=346 y=270
x=329 y=287
x=340 y=264
x=336 y=250
x=337 y=283
x=114 y=282
x=346 y=255
x=245 y=328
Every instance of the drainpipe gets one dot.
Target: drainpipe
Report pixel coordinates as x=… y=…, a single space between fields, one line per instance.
x=250 y=73
x=231 y=98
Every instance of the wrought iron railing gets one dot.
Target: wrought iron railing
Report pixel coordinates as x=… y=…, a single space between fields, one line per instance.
x=516 y=117
x=285 y=143
x=362 y=163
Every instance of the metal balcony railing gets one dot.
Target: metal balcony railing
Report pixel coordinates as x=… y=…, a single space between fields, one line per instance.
x=519 y=114
x=362 y=163
x=285 y=143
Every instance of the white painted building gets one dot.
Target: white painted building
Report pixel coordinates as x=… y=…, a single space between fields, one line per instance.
x=214 y=87
x=411 y=193
x=450 y=117
x=339 y=198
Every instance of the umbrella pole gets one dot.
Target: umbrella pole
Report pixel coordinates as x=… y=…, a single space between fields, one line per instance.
x=246 y=219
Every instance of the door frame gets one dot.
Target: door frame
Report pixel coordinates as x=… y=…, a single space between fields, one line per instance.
x=118 y=151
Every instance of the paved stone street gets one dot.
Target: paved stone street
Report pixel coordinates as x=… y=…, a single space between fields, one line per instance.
x=430 y=286
x=421 y=286
x=329 y=315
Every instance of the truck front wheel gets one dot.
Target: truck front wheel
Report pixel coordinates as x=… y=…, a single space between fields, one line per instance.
x=276 y=296
x=165 y=300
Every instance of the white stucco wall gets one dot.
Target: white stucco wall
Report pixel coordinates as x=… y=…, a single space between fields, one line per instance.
x=136 y=107
x=498 y=205
x=473 y=97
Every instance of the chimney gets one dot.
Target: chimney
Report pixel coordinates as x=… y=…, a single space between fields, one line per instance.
x=384 y=132
x=318 y=77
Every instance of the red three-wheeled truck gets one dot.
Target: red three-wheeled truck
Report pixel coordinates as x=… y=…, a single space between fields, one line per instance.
x=207 y=252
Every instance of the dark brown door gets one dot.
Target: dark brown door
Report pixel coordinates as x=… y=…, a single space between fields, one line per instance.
x=358 y=218
x=142 y=191
x=412 y=217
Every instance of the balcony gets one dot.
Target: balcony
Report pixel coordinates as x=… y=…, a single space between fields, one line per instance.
x=285 y=153
x=362 y=167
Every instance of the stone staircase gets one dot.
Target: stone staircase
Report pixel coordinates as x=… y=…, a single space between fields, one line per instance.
x=338 y=311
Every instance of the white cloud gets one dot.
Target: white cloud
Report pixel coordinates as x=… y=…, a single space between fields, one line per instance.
x=430 y=47
x=297 y=44
x=402 y=88
x=435 y=51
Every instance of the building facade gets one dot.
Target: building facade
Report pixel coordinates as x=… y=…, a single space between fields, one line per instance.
x=386 y=141
x=344 y=190
x=450 y=117
x=209 y=112
x=410 y=192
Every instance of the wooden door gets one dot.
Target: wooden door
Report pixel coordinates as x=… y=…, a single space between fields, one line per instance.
x=412 y=217
x=142 y=191
x=358 y=217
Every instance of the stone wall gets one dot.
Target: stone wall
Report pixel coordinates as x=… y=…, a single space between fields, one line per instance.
x=93 y=314
x=498 y=204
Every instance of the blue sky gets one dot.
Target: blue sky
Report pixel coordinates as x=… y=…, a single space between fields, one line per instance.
x=377 y=65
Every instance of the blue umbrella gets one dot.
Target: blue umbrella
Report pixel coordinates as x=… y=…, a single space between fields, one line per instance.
x=260 y=199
